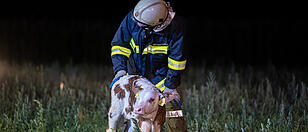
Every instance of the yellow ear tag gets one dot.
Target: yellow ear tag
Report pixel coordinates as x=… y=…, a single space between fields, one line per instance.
x=137 y=94
x=162 y=102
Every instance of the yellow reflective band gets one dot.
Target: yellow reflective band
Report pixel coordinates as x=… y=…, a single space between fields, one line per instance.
x=137 y=49
x=134 y=46
x=176 y=65
x=118 y=50
x=155 y=50
x=161 y=85
x=137 y=94
x=162 y=88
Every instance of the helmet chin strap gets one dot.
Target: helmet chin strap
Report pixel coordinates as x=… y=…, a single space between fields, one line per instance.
x=148 y=30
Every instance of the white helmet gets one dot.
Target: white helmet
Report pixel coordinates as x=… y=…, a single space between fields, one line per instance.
x=151 y=12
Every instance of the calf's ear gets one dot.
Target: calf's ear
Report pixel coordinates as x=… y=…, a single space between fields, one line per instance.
x=135 y=88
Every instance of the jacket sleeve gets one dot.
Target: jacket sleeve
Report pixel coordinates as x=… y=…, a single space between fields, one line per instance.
x=176 y=59
x=120 y=48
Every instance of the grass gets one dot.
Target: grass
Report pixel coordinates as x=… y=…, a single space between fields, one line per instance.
x=217 y=98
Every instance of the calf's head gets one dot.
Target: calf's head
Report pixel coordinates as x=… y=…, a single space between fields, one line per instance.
x=148 y=100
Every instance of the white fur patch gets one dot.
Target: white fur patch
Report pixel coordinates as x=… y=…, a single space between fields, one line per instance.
x=144 y=101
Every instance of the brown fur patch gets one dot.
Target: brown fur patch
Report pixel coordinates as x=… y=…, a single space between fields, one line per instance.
x=127 y=110
x=130 y=85
x=160 y=116
x=119 y=91
x=137 y=88
x=133 y=89
x=132 y=101
x=132 y=79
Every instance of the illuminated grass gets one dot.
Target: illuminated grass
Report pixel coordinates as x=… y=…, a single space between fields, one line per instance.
x=77 y=98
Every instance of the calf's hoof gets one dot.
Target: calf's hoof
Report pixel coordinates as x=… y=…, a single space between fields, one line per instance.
x=110 y=130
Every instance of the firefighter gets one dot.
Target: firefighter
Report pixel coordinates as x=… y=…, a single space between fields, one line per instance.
x=149 y=42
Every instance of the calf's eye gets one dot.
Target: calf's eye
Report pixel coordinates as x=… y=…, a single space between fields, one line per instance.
x=151 y=100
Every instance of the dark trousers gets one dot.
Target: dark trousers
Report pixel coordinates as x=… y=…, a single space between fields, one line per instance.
x=175 y=124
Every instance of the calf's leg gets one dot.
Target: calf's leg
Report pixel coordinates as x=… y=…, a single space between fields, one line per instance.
x=145 y=126
x=114 y=114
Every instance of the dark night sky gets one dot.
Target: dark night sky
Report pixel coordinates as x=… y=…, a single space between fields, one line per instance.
x=245 y=33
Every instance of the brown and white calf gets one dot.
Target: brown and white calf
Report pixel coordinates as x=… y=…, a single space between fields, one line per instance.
x=135 y=97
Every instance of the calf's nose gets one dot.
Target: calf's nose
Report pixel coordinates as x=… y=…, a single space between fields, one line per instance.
x=139 y=110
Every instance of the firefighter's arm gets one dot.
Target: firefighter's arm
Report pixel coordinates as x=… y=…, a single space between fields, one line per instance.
x=176 y=62
x=120 y=48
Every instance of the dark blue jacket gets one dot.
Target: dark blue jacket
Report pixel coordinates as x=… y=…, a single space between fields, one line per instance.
x=159 y=54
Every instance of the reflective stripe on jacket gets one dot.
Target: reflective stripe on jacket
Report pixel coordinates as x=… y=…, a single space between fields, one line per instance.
x=159 y=53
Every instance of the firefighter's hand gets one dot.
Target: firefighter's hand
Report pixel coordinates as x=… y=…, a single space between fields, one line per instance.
x=166 y=90
x=171 y=94
x=119 y=74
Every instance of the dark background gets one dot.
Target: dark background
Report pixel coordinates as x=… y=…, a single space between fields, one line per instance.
x=79 y=32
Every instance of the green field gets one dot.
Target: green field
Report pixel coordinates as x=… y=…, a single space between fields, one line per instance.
x=217 y=98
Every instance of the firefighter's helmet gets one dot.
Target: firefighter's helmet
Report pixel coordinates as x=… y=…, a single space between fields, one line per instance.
x=151 y=12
